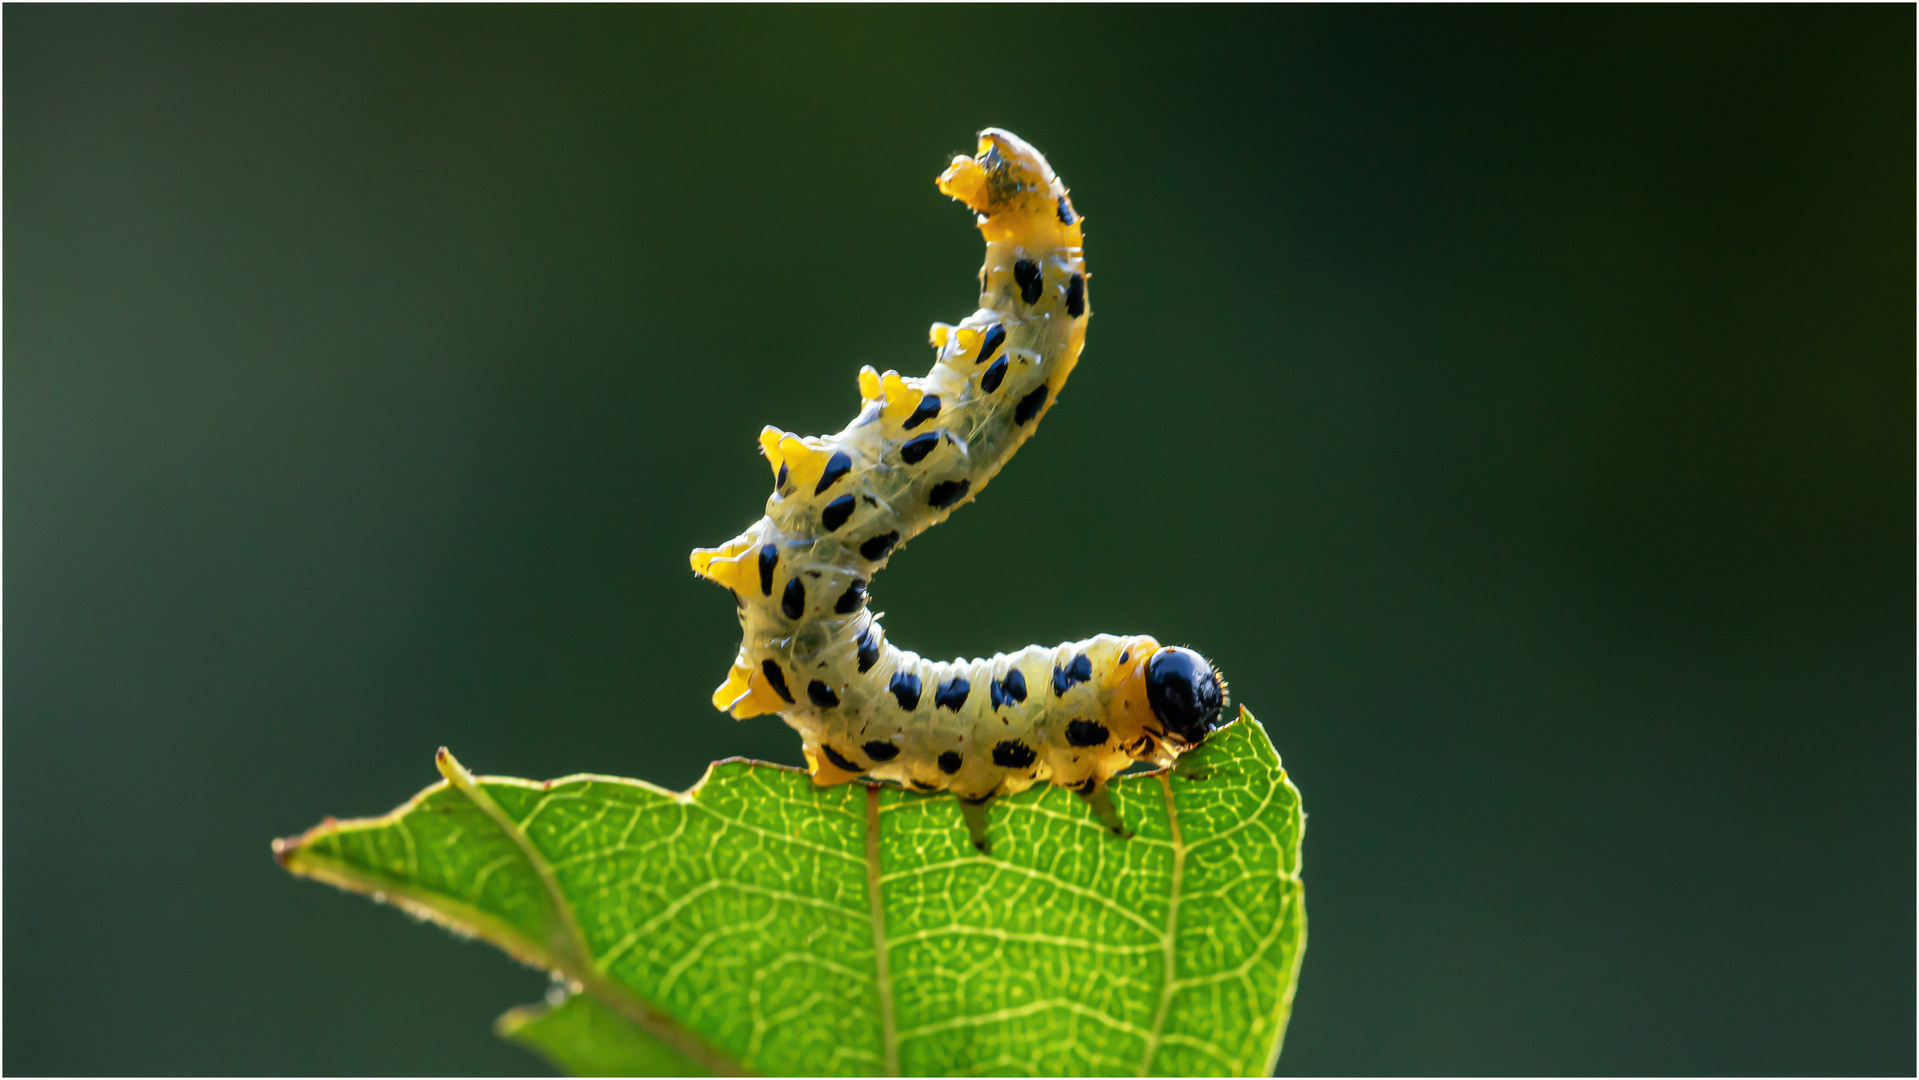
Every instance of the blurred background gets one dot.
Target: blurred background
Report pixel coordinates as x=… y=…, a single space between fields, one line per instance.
x=1519 y=404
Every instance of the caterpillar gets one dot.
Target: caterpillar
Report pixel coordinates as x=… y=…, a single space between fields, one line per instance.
x=1076 y=714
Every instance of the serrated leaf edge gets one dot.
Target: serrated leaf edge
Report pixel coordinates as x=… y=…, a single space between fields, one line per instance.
x=564 y=953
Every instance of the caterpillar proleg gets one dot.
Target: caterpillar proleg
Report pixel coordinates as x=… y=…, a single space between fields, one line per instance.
x=1074 y=714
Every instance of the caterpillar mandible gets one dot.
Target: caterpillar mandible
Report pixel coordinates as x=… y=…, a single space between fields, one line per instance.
x=1076 y=714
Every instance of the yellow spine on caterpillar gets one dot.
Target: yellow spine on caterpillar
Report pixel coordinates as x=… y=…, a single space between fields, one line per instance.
x=811 y=651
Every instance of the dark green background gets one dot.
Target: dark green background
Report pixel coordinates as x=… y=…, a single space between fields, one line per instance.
x=1518 y=404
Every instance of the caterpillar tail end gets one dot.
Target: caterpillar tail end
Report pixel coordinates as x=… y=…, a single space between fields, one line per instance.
x=965 y=179
x=1014 y=191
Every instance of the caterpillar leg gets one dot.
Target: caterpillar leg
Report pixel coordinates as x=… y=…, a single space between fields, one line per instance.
x=1101 y=802
x=975 y=815
x=826 y=771
x=1189 y=770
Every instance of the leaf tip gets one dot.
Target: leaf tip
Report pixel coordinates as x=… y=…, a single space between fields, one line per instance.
x=450 y=767
x=288 y=849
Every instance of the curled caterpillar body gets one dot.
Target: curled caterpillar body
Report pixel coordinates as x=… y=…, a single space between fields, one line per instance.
x=842 y=504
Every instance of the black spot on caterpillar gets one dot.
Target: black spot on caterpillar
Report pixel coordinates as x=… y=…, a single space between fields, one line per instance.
x=1029 y=406
x=990 y=381
x=777 y=679
x=1013 y=754
x=769 y=558
x=852 y=599
x=875 y=548
x=953 y=693
x=1010 y=690
x=947 y=492
x=990 y=344
x=929 y=407
x=841 y=760
x=917 y=447
x=1027 y=276
x=1071 y=674
x=1014 y=685
x=837 y=466
x=1086 y=733
x=905 y=689
x=1113 y=700
x=836 y=513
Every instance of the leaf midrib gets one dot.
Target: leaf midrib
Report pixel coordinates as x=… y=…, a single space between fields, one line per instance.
x=1169 y=940
x=882 y=960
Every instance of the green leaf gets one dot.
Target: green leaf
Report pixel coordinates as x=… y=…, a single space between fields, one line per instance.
x=759 y=924
x=587 y=1037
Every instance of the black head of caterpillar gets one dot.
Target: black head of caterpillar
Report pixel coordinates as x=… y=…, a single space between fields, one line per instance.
x=1185 y=693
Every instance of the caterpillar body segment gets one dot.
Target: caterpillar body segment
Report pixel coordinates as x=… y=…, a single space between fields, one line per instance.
x=811 y=651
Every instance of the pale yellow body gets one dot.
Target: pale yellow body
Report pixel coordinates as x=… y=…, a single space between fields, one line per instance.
x=823 y=663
